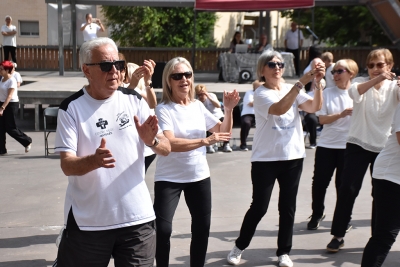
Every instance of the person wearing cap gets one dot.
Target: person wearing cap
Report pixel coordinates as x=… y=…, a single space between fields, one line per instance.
x=9 y=33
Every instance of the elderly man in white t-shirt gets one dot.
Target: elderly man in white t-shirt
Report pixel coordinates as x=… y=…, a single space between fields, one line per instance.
x=101 y=135
x=9 y=33
x=91 y=27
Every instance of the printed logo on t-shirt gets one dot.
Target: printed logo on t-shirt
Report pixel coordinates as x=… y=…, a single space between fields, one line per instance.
x=123 y=120
x=102 y=124
x=284 y=121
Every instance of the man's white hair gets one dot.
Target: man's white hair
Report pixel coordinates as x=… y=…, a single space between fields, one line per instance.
x=85 y=52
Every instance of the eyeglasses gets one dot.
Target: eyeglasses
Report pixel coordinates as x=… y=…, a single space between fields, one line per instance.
x=339 y=71
x=379 y=65
x=107 y=66
x=272 y=65
x=179 y=76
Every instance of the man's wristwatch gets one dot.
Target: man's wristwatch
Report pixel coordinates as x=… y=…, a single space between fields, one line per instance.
x=156 y=142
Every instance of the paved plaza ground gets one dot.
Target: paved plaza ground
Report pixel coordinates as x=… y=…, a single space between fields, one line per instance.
x=32 y=191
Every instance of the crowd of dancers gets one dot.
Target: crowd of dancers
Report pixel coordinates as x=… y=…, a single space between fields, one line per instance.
x=108 y=209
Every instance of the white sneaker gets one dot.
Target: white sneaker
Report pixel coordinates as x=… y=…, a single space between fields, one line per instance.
x=210 y=150
x=234 y=256
x=227 y=148
x=284 y=261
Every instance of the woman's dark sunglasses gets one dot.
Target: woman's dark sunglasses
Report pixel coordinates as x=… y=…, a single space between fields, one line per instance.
x=339 y=71
x=379 y=65
x=179 y=76
x=107 y=66
x=272 y=65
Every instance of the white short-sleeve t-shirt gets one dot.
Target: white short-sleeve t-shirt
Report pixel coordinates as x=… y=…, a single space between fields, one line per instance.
x=105 y=198
x=248 y=98
x=277 y=137
x=17 y=77
x=387 y=165
x=217 y=112
x=12 y=39
x=90 y=31
x=5 y=86
x=292 y=39
x=189 y=122
x=334 y=135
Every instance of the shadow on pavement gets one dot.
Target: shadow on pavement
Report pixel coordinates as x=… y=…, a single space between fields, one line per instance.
x=26 y=241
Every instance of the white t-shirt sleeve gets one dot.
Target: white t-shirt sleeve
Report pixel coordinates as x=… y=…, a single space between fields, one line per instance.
x=13 y=84
x=324 y=108
x=302 y=97
x=211 y=120
x=67 y=133
x=98 y=27
x=164 y=118
x=264 y=101
x=396 y=120
x=354 y=94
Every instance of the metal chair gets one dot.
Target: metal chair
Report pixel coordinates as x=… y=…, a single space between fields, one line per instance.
x=50 y=112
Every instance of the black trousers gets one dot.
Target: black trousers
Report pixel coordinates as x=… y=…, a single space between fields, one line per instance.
x=198 y=200
x=296 y=53
x=356 y=162
x=148 y=160
x=387 y=223
x=246 y=121
x=10 y=50
x=130 y=246
x=263 y=176
x=311 y=121
x=8 y=125
x=326 y=161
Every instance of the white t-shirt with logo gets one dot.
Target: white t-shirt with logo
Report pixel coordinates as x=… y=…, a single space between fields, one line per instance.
x=105 y=198
x=387 y=165
x=90 y=31
x=189 y=122
x=12 y=39
x=217 y=112
x=277 y=137
x=334 y=135
x=292 y=39
x=248 y=98
x=5 y=86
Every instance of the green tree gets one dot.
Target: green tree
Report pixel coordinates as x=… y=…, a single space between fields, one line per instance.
x=344 y=25
x=159 y=26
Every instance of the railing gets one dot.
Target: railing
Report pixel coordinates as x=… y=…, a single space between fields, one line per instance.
x=45 y=58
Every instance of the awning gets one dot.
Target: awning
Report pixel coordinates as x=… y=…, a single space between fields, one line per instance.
x=257 y=5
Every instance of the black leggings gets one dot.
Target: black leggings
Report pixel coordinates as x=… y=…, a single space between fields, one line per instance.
x=198 y=200
x=326 y=161
x=311 y=121
x=356 y=162
x=263 y=176
x=246 y=122
x=387 y=223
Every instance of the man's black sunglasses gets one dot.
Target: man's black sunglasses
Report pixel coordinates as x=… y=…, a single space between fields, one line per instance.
x=179 y=76
x=107 y=65
x=272 y=65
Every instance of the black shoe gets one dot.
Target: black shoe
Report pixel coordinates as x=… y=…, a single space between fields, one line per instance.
x=335 y=245
x=243 y=148
x=313 y=224
x=349 y=226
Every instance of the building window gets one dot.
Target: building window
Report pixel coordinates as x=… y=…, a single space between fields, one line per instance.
x=29 y=28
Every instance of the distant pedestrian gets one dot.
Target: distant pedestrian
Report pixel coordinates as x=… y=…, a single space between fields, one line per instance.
x=9 y=105
x=91 y=27
x=9 y=33
x=293 y=43
x=247 y=118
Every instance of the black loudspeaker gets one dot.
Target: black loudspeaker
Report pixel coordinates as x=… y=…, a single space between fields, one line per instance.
x=157 y=76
